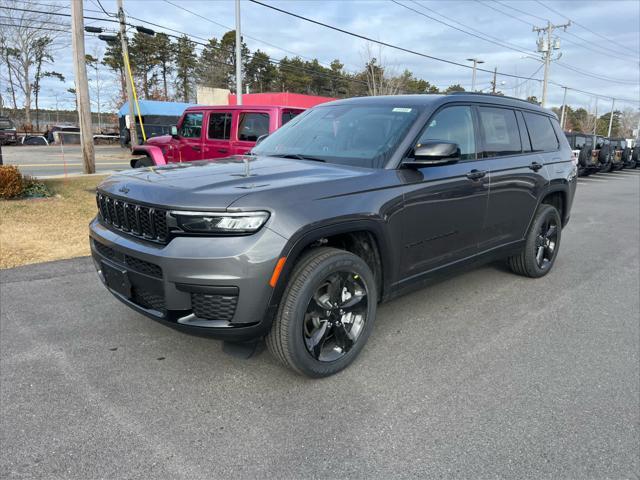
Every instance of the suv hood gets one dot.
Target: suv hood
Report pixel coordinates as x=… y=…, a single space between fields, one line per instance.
x=215 y=185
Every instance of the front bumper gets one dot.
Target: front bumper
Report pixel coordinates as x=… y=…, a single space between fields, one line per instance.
x=214 y=286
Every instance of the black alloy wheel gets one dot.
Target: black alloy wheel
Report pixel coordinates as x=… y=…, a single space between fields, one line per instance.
x=326 y=314
x=545 y=244
x=336 y=316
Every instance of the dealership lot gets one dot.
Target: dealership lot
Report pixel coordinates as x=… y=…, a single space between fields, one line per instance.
x=54 y=160
x=485 y=374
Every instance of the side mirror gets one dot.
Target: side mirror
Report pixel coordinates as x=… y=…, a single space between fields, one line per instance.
x=433 y=153
x=261 y=138
x=174 y=131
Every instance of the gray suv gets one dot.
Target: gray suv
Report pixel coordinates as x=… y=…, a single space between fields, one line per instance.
x=351 y=203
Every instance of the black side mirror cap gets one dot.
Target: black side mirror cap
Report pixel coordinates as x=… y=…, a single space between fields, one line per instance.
x=433 y=153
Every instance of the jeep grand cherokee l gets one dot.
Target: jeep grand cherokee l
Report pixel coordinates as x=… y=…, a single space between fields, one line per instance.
x=350 y=204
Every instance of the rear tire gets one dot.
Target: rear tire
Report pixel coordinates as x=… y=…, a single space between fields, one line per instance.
x=311 y=333
x=541 y=244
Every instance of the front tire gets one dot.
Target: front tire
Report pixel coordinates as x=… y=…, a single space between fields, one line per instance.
x=326 y=314
x=143 y=162
x=542 y=243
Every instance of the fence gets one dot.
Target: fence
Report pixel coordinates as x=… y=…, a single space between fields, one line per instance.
x=102 y=122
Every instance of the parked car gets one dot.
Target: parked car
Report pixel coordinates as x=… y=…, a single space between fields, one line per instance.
x=581 y=147
x=618 y=146
x=229 y=130
x=351 y=203
x=8 y=133
x=602 y=152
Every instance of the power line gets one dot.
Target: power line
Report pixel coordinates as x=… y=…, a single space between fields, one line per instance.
x=35 y=28
x=482 y=36
x=413 y=52
x=369 y=39
x=522 y=11
x=589 y=74
x=588 y=29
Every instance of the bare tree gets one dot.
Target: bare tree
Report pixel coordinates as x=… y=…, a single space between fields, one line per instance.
x=23 y=44
x=629 y=121
x=379 y=75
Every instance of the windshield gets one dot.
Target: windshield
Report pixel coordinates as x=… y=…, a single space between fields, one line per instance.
x=356 y=135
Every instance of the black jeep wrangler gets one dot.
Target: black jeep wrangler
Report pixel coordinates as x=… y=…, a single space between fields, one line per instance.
x=582 y=146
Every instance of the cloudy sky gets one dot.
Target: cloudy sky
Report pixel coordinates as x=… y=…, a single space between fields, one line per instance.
x=599 y=50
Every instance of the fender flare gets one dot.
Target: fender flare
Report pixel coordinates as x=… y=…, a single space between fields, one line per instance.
x=152 y=151
x=306 y=236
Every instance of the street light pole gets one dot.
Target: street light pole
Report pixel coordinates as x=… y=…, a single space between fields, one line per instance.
x=564 y=108
x=473 y=77
x=613 y=104
x=125 y=57
x=238 y=56
x=82 y=87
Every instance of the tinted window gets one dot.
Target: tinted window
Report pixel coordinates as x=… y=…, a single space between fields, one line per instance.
x=543 y=138
x=524 y=134
x=191 y=126
x=453 y=124
x=500 y=130
x=580 y=142
x=252 y=126
x=289 y=115
x=220 y=126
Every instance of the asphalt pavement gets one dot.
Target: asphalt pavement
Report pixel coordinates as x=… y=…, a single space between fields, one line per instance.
x=53 y=160
x=483 y=375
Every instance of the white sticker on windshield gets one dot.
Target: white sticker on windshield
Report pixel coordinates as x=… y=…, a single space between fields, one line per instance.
x=402 y=109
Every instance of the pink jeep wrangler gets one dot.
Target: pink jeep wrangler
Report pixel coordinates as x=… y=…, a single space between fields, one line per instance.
x=229 y=130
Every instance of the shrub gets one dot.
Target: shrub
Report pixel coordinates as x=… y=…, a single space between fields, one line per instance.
x=11 y=182
x=34 y=188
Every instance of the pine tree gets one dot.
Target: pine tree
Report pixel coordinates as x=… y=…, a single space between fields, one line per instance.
x=186 y=62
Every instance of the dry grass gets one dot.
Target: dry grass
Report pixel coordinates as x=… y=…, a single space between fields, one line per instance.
x=40 y=230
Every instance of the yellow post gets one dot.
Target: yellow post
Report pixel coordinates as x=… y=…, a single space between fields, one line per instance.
x=135 y=97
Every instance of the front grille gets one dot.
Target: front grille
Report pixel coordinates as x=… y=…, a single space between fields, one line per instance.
x=133 y=263
x=147 y=299
x=214 y=307
x=138 y=220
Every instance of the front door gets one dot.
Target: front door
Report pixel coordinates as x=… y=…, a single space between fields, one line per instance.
x=445 y=205
x=218 y=142
x=190 y=138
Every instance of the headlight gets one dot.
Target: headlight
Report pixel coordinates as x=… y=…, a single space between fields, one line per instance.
x=213 y=222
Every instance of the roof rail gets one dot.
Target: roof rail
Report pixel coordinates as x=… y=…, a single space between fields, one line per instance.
x=491 y=95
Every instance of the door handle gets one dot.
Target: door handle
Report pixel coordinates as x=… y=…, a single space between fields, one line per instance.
x=535 y=166
x=195 y=147
x=476 y=174
x=223 y=150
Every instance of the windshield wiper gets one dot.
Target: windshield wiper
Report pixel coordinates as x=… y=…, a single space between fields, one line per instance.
x=298 y=156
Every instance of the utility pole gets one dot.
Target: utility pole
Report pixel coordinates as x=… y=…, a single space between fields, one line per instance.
x=564 y=108
x=82 y=87
x=595 y=124
x=613 y=104
x=238 y=56
x=473 y=77
x=493 y=84
x=546 y=46
x=125 y=58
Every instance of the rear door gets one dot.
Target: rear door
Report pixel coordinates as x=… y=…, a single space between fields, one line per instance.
x=444 y=205
x=517 y=175
x=251 y=125
x=218 y=141
x=190 y=137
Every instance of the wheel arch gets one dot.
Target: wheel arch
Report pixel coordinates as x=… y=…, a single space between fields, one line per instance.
x=375 y=251
x=154 y=153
